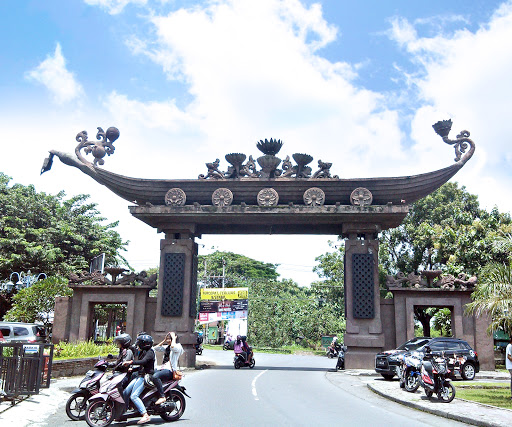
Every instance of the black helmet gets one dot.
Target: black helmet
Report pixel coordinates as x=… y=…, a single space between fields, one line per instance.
x=124 y=339
x=145 y=342
x=427 y=349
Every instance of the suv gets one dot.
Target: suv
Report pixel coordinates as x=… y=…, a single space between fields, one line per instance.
x=23 y=332
x=462 y=359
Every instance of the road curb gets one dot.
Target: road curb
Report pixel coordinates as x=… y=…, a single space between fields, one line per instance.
x=437 y=412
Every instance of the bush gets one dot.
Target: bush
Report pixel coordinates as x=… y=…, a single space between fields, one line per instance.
x=80 y=349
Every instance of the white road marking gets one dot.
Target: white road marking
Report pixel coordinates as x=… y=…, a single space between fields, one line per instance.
x=253 y=385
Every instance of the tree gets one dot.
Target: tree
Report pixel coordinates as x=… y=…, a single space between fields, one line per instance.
x=238 y=268
x=48 y=233
x=37 y=302
x=493 y=293
x=446 y=230
x=330 y=268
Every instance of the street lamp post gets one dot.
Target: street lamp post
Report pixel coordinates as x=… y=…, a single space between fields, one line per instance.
x=25 y=280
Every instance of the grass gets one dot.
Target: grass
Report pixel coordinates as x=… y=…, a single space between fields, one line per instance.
x=80 y=349
x=495 y=394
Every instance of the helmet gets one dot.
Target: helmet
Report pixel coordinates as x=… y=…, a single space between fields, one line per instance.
x=243 y=337
x=427 y=349
x=124 y=339
x=148 y=381
x=238 y=337
x=145 y=342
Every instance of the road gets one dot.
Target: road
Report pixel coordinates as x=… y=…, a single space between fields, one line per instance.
x=282 y=390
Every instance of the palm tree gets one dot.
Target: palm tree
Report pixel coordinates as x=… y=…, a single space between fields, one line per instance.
x=493 y=296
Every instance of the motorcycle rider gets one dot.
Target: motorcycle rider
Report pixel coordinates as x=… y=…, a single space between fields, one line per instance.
x=145 y=362
x=123 y=343
x=172 y=353
x=238 y=347
x=247 y=348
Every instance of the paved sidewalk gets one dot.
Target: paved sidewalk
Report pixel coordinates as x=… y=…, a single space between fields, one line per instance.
x=460 y=410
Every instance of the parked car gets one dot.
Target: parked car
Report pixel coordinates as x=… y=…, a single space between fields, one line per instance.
x=23 y=332
x=462 y=359
x=2 y=339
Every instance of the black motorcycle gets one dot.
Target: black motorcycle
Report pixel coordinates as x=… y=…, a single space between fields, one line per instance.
x=89 y=386
x=240 y=361
x=410 y=372
x=341 y=358
x=434 y=378
x=199 y=349
x=332 y=351
x=229 y=345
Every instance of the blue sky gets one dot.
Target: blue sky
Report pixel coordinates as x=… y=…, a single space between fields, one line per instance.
x=355 y=83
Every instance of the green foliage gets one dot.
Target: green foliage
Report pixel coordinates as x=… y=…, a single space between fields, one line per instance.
x=330 y=269
x=493 y=295
x=79 y=349
x=281 y=311
x=37 y=302
x=238 y=269
x=446 y=230
x=48 y=233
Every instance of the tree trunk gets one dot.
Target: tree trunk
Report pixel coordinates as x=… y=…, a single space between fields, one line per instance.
x=424 y=318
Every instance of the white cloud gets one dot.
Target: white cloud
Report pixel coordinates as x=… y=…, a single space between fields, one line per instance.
x=115 y=6
x=466 y=75
x=53 y=74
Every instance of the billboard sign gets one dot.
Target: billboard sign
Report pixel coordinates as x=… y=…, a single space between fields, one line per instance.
x=219 y=294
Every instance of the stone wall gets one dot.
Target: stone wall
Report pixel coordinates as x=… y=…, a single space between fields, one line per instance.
x=387 y=312
x=72 y=367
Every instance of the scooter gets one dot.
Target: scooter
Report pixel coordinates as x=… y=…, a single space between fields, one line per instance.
x=199 y=349
x=332 y=352
x=239 y=361
x=410 y=372
x=109 y=404
x=89 y=386
x=229 y=345
x=433 y=378
x=341 y=358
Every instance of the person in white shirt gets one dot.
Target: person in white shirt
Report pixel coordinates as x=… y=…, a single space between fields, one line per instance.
x=172 y=351
x=508 y=361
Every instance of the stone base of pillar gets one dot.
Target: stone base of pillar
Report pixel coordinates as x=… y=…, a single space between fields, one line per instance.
x=360 y=358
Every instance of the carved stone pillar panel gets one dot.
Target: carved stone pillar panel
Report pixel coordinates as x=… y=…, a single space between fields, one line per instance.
x=177 y=289
x=364 y=335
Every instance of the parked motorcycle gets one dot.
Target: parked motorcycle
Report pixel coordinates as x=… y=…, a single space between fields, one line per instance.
x=109 y=404
x=89 y=386
x=199 y=349
x=239 y=361
x=434 y=378
x=229 y=345
x=341 y=358
x=410 y=372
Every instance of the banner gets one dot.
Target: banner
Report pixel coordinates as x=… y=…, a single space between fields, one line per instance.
x=214 y=317
x=219 y=294
x=223 y=306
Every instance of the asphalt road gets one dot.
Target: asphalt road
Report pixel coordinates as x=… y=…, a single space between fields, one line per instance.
x=282 y=390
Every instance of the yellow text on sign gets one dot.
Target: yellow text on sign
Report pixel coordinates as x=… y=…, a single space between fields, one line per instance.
x=224 y=293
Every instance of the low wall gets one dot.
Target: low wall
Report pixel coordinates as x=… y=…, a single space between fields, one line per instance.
x=72 y=367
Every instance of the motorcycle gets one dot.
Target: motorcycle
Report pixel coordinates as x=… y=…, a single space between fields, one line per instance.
x=410 y=372
x=199 y=349
x=341 y=358
x=332 y=352
x=109 y=404
x=433 y=378
x=229 y=345
x=239 y=361
x=89 y=386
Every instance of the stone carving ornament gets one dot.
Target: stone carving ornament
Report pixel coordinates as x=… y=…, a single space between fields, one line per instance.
x=222 y=197
x=314 y=197
x=361 y=197
x=268 y=197
x=175 y=197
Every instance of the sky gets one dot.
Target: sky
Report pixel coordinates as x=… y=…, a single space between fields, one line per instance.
x=358 y=84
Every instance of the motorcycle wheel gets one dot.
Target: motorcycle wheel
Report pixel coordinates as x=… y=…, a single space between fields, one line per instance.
x=329 y=355
x=447 y=393
x=177 y=412
x=199 y=352
x=93 y=411
x=412 y=383
x=76 y=405
x=225 y=346
x=253 y=362
x=429 y=393
x=238 y=365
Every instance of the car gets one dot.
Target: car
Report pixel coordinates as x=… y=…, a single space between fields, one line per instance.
x=23 y=332
x=462 y=359
x=2 y=339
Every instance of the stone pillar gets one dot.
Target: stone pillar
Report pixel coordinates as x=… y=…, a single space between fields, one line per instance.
x=177 y=288
x=364 y=336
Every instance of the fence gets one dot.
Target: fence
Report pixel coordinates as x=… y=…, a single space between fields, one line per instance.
x=24 y=368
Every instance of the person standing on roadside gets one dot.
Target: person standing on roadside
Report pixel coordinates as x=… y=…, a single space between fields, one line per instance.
x=508 y=361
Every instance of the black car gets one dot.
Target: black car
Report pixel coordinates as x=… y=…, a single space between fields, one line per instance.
x=462 y=359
